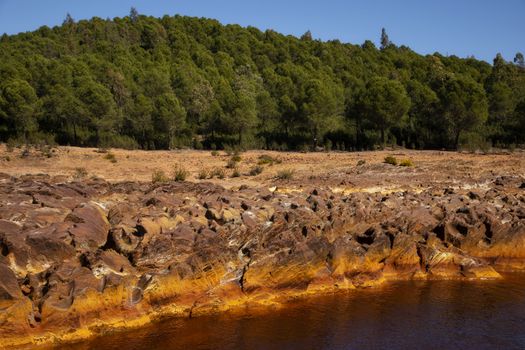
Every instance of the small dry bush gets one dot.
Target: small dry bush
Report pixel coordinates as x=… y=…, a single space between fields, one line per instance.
x=256 y=170
x=111 y=157
x=407 y=163
x=203 y=174
x=218 y=173
x=267 y=159
x=285 y=174
x=179 y=173
x=80 y=173
x=159 y=176
x=390 y=160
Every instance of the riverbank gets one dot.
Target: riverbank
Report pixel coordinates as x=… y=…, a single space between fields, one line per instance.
x=82 y=255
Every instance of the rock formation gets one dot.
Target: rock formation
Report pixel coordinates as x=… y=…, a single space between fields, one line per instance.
x=78 y=258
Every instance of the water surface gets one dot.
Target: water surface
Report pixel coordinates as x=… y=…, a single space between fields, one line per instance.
x=400 y=315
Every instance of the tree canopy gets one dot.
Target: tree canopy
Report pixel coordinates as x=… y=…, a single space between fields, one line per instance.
x=159 y=83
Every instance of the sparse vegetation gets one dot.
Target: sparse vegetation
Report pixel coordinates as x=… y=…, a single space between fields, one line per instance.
x=390 y=160
x=214 y=153
x=236 y=158
x=232 y=163
x=218 y=173
x=111 y=157
x=407 y=163
x=179 y=173
x=236 y=173
x=361 y=162
x=285 y=174
x=159 y=176
x=203 y=174
x=256 y=170
x=80 y=173
x=269 y=160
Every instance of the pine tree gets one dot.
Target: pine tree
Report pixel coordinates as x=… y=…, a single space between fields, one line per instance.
x=385 y=41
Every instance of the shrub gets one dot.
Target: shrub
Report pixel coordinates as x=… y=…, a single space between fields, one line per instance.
x=111 y=157
x=7 y=158
x=406 y=162
x=25 y=153
x=361 y=162
x=179 y=173
x=80 y=173
x=10 y=145
x=232 y=163
x=236 y=158
x=236 y=173
x=46 y=151
x=256 y=170
x=266 y=159
x=390 y=160
x=203 y=174
x=232 y=150
x=286 y=174
x=218 y=172
x=214 y=153
x=159 y=176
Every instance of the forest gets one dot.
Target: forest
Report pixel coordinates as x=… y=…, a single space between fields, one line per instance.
x=183 y=82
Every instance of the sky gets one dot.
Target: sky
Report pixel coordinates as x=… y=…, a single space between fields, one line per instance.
x=481 y=28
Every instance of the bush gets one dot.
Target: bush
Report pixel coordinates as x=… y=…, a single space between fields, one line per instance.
x=266 y=159
x=111 y=157
x=179 y=173
x=256 y=170
x=25 y=153
x=232 y=163
x=390 y=160
x=214 y=153
x=361 y=162
x=7 y=158
x=158 y=176
x=406 y=162
x=80 y=173
x=286 y=174
x=46 y=151
x=10 y=145
x=203 y=174
x=218 y=172
x=236 y=173
x=236 y=158
x=232 y=151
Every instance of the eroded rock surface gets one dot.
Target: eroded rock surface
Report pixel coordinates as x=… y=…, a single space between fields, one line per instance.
x=76 y=257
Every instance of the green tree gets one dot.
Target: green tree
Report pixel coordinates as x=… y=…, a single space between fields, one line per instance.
x=519 y=60
x=385 y=41
x=464 y=105
x=323 y=108
x=384 y=103
x=18 y=107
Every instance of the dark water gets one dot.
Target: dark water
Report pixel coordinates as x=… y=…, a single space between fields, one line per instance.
x=402 y=315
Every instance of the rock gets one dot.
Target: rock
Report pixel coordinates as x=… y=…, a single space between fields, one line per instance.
x=112 y=252
x=89 y=226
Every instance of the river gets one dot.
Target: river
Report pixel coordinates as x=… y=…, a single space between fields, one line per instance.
x=398 y=315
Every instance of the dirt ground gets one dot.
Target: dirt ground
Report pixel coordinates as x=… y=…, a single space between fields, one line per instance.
x=338 y=170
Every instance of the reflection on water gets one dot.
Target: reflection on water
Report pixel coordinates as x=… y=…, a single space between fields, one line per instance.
x=429 y=315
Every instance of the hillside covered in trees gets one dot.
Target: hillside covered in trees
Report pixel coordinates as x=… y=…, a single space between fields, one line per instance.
x=144 y=82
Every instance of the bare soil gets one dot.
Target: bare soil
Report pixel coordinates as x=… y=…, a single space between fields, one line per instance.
x=339 y=170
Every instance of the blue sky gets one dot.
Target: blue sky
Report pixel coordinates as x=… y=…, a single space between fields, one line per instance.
x=461 y=27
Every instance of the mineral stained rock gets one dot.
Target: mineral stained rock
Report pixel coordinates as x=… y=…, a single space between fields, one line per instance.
x=78 y=258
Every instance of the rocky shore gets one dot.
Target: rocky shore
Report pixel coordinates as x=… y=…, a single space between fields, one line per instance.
x=79 y=258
